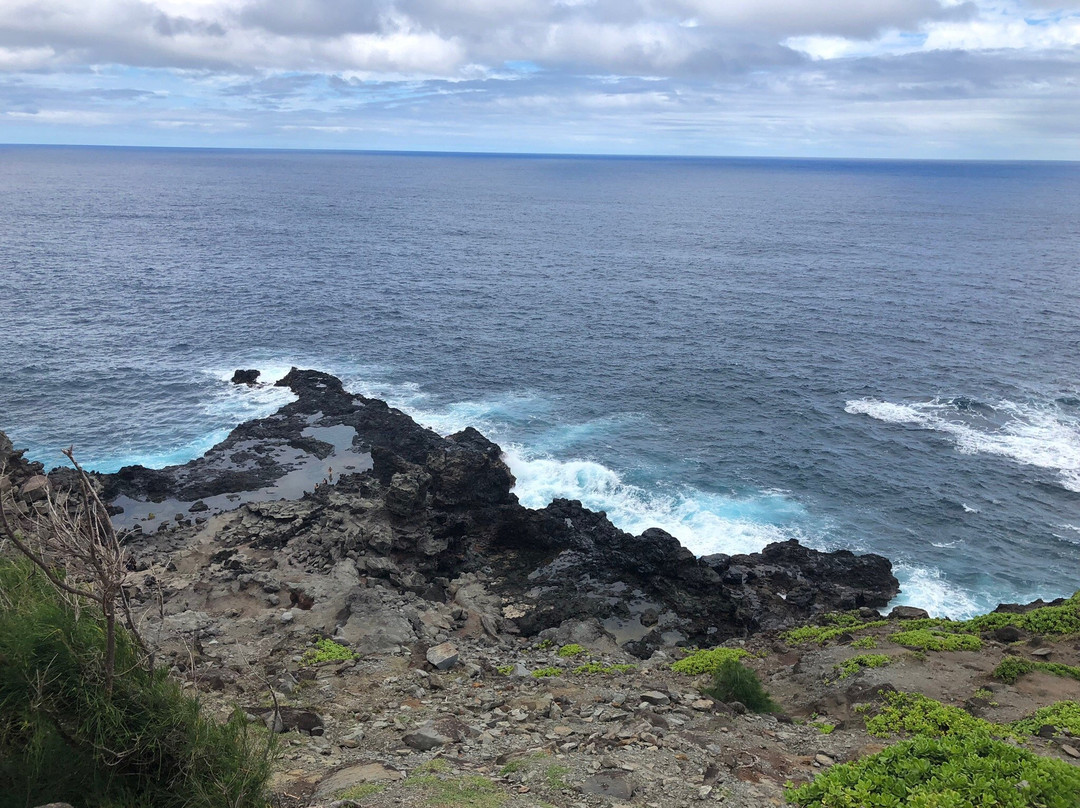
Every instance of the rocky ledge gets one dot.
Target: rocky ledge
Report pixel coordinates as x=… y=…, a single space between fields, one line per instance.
x=414 y=511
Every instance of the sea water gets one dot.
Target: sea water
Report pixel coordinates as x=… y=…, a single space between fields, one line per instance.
x=873 y=355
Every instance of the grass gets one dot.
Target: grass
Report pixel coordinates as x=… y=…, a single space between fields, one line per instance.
x=555 y=776
x=465 y=791
x=933 y=640
x=707 y=661
x=361 y=791
x=64 y=737
x=733 y=681
x=860 y=662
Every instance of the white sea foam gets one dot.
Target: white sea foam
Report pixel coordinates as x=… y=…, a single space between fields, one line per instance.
x=929 y=589
x=703 y=522
x=1028 y=434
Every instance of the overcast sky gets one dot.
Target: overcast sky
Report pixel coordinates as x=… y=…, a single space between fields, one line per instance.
x=878 y=78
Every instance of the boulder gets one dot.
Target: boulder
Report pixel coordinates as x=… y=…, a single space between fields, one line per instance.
x=908 y=613
x=248 y=377
x=425 y=738
x=346 y=778
x=443 y=656
x=36 y=488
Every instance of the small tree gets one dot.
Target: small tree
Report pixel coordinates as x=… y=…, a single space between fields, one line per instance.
x=72 y=531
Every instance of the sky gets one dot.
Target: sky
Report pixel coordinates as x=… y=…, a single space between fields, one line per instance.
x=978 y=79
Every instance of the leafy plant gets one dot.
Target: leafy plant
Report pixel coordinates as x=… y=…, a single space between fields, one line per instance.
x=593 y=668
x=505 y=670
x=931 y=640
x=326 y=651
x=1064 y=716
x=865 y=642
x=541 y=673
x=834 y=625
x=572 y=650
x=916 y=714
x=733 y=681
x=707 y=661
x=956 y=771
x=857 y=663
x=825 y=729
x=1012 y=668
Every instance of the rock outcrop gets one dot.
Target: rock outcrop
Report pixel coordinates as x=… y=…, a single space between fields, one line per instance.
x=431 y=509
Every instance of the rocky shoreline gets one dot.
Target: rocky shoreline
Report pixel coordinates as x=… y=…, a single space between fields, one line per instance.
x=339 y=518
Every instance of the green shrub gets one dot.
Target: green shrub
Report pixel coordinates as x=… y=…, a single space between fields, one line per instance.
x=326 y=651
x=64 y=737
x=593 y=668
x=505 y=670
x=1012 y=668
x=733 y=681
x=837 y=624
x=865 y=642
x=929 y=640
x=1064 y=716
x=572 y=650
x=951 y=772
x=707 y=661
x=916 y=714
x=852 y=666
x=541 y=673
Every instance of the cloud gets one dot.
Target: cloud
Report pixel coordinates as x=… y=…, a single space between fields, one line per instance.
x=783 y=76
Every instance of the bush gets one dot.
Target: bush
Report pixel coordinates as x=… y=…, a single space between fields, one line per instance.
x=957 y=771
x=707 y=661
x=326 y=650
x=929 y=640
x=1063 y=716
x=836 y=624
x=1012 y=668
x=850 y=667
x=65 y=737
x=571 y=650
x=918 y=715
x=733 y=681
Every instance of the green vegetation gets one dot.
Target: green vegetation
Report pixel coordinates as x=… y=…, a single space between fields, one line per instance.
x=918 y=715
x=957 y=771
x=505 y=670
x=825 y=729
x=541 y=673
x=1012 y=668
x=707 y=661
x=572 y=650
x=733 y=681
x=833 y=625
x=543 y=645
x=466 y=791
x=555 y=775
x=326 y=651
x=361 y=791
x=1063 y=716
x=865 y=642
x=591 y=668
x=434 y=766
x=857 y=663
x=65 y=736
x=929 y=640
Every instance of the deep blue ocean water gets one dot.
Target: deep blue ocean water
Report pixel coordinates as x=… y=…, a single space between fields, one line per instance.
x=883 y=356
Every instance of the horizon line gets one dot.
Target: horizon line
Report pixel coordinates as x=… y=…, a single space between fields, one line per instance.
x=564 y=155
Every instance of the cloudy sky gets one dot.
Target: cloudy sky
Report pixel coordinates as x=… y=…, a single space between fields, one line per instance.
x=877 y=78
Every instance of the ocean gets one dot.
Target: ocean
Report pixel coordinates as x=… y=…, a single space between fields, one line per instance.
x=873 y=355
